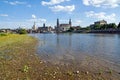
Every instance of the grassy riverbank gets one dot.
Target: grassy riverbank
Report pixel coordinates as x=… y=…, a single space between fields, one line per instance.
x=18 y=61
x=17 y=56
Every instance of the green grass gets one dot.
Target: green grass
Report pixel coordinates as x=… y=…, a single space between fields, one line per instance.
x=13 y=38
x=15 y=56
x=3 y=34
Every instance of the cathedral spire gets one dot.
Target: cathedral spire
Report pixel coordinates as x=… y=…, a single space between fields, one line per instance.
x=57 y=22
x=58 y=26
x=70 y=22
x=34 y=26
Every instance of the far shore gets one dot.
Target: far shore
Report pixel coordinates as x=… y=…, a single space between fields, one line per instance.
x=19 y=61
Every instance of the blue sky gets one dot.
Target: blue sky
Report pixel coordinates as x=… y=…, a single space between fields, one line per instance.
x=22 y=13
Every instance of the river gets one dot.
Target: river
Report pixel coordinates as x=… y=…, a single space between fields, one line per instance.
x=57 y=47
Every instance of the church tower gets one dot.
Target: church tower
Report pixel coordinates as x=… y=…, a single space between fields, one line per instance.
x=34 y=26
x=70 y=22
x=44 y=25
x=57 y=23
x=58 y=26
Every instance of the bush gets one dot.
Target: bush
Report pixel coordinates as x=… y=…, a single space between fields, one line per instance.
x=3 y=34
x=22 y=31
x=71 y=29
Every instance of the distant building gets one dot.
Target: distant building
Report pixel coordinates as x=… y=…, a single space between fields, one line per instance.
x=5 y=31
x=63 y=27
x=70 y=23
x=76 y=28
x=44 y=29
x=57 y=26
x=102 y=22
x=34 y=26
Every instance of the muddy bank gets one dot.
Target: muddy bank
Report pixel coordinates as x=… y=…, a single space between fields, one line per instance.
x=86 y=68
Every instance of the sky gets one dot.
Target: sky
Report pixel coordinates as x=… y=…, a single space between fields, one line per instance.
x=23 y=13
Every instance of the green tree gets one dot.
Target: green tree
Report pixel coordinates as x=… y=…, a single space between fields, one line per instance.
x=112 y=26
x=97 y=27
x=87 y=28
x=71 y=29
x=22 y=31
x=104 y=27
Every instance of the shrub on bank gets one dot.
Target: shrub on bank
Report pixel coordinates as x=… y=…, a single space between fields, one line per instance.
x=3 y=34
x=22 y=31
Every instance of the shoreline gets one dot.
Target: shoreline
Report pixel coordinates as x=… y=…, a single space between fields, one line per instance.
x=19 y=60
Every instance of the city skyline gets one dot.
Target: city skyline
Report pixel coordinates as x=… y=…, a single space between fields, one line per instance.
x=23 y=13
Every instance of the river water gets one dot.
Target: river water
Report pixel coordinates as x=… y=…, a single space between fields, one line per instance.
x=55 y=47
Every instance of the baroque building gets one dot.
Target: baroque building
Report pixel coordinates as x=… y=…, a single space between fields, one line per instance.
x=44 y=29
x=102 y=22
x=64 y=26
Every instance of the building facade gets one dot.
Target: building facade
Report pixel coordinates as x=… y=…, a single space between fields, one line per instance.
x=63 y=27
x=102 y=22
x=44 y=29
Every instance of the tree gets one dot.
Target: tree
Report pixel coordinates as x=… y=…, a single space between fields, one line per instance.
x=112 y=26
x=22 y=31
x=104 y=27
x=71 y=29
x=97 y=27
x=87 y=28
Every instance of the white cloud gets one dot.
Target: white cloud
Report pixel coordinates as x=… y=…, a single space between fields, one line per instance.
x=15 y=2
x=102 y=3
x=4 y=15
x=33 y=16
x=53 y=2
x=60 y=8
x=101 y=15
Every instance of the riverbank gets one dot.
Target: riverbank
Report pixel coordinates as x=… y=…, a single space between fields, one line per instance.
x=18 y=61
x=17 y=56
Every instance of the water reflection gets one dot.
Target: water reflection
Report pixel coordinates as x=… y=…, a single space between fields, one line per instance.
x=70 y=46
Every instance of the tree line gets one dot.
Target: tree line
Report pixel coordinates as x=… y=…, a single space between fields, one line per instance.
x=105 y=26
